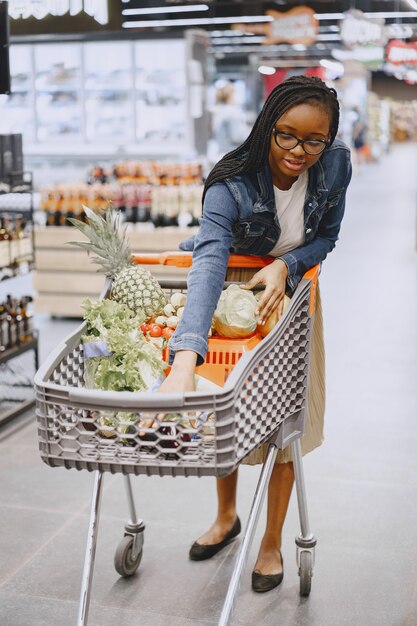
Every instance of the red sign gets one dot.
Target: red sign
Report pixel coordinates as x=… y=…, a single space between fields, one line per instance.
x=400 y=53
x=281 y=74
x=298 y=25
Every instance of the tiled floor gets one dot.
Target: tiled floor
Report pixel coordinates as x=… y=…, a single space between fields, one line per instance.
x=362 y=483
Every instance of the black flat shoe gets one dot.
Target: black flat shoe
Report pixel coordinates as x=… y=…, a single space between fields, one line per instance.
x=266 y=582
x=201 y=552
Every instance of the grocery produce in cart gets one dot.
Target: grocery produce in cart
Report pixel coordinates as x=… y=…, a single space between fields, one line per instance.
x=160 y=329
x=235 y=315
x=132 y=285
x=117 y=355
x=264 y=329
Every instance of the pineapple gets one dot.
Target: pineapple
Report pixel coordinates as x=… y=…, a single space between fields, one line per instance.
x=132 y=285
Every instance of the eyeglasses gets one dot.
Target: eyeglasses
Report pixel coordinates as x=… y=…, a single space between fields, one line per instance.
x=288 y=142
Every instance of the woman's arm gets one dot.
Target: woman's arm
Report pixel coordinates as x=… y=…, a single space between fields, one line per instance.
x=181 y=376
x=206 y=278
x=301 y=259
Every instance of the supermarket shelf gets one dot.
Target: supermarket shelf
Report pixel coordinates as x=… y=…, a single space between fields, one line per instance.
x=22 y=188
x=18 y=182
x=65 y=275
x=10 y=413
x=13 y=271
x=14 y=412
x=16 y=351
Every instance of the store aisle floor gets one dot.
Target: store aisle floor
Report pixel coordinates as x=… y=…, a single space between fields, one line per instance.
x=361 y=484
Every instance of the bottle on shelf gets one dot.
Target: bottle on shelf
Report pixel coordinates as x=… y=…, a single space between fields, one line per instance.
x=16 y=325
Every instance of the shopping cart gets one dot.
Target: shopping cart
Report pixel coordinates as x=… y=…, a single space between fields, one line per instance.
x=263 y=400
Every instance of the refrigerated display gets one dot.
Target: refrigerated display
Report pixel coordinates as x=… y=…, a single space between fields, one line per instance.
x=106 y=98
x=16 y=109
x=58 y=92
x=160 y=92
x=108 y=91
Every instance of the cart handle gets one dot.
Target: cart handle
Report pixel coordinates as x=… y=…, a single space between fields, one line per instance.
x=184 y=259
x=313 y=276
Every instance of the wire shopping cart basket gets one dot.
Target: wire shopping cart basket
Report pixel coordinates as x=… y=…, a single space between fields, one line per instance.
x=263 y=400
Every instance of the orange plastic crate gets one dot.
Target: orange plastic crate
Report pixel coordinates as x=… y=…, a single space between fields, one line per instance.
x=222 y=356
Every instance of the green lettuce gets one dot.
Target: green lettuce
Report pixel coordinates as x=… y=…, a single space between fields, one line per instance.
x=102 y=315
x=134 y=363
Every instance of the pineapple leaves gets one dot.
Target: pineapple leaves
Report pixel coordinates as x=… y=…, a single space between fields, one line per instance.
x=107 y=240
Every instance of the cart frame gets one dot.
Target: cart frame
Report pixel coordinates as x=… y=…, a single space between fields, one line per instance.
x=284 y=428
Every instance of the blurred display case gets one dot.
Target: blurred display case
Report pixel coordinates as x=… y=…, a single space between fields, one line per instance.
x=17 y=114
x=58 y=83
x=161 y=92
x=108 y=91
x=104 y=97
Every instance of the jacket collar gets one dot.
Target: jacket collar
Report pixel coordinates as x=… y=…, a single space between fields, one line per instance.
x=266 y=201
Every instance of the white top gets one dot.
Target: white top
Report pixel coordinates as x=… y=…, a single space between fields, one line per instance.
x=290 y=211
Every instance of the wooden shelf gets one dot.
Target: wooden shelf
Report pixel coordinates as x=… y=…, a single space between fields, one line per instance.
x=32 y=344
x=65 y=274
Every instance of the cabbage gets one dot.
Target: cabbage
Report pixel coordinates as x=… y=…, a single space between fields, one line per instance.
x=235 y=315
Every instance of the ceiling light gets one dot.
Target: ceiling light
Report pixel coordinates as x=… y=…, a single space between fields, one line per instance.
x=385 y=14
x=391 y=14
x=330 y=16
x=266 y=69
x=199 y=21
x=253 y=19
x=335 y=67
x=220 y=41
x=225 y=33
x=328 y=37
x=411 y=76
x=159 y=10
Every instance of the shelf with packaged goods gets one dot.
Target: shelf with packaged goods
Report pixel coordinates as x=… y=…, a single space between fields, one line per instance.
x=65 y=274
x=10 y=353
x=16 y=199
x=10 y=412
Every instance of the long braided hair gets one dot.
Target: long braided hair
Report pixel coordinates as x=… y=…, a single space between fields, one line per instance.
x=252 y=154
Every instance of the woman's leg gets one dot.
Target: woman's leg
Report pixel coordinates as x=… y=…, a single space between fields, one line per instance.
x=226 y=510
x=279 y=492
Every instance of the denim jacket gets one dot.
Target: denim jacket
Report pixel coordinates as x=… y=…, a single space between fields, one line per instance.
x=239 y=216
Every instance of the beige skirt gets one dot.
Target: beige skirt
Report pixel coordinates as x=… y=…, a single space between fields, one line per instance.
x=316 y=390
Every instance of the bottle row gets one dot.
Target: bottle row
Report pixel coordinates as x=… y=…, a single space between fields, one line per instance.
x=164 y=206
x=12 y=226
x=149 y=172
x=15 y=239
x=16 y=322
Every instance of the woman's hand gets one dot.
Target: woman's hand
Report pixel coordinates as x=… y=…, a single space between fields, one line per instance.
x=274 y=278
x=180 y=378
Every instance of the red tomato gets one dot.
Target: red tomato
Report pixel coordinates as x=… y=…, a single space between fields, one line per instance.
x=144 y=328
x=155 y=330
x=168 y=332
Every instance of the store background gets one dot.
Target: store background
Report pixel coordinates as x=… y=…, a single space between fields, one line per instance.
x=137 y=114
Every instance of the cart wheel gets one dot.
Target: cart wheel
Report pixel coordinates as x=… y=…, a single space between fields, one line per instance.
x=123 y=562
x=305 y=572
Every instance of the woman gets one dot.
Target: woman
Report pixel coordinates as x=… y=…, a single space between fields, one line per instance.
x=281 y=193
